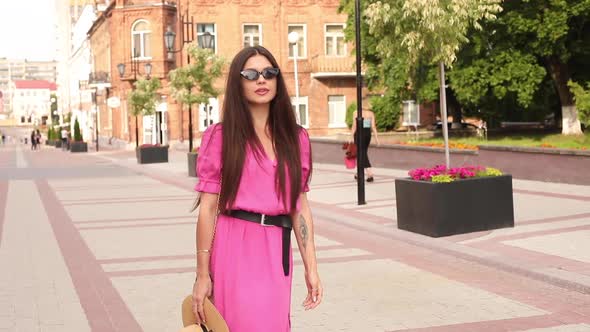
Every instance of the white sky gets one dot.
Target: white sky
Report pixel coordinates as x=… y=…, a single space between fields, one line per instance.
x=27 y=29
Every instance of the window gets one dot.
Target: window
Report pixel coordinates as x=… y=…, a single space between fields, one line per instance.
x=336 y=111
x=252 y=34
x=303 y=115
x=206 y=27
x=301 y=29
x=335 y=45
x=141 y=40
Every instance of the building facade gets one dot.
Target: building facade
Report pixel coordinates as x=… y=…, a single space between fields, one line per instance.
x=32 y=102
x=130 y=34
x=326 y=73
x=19 y=69
x=81 y=104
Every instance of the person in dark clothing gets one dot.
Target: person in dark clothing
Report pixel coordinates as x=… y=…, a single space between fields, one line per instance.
x=369 y=127
x=33 y=140
x=38 y=138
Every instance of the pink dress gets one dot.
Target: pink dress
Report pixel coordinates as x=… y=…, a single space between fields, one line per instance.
x=250 y=288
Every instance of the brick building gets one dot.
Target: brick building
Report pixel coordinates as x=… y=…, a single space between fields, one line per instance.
x=132 y=33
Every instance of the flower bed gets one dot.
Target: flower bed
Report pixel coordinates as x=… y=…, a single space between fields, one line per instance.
x=452 y=145
x=440 y=173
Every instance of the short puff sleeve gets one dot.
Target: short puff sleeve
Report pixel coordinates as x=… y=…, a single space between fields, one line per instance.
x=306 y=166
x=209 y=161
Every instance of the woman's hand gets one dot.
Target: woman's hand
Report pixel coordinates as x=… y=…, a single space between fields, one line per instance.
x=201 y=289
x=315 y=292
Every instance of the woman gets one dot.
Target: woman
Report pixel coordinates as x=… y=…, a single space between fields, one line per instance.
x=33 y=140
x=369 y=126
x=255 y=167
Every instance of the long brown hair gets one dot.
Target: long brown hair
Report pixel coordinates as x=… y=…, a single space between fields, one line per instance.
x=238 y=133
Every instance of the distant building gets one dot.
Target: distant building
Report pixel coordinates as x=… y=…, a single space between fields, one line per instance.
x=19 y=70
x=31 y=101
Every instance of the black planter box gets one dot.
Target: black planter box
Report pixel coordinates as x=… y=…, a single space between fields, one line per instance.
x=79 y=147
x=152 y=154
x=57 y=143
x=192 y=164
x=462 y=206
x=49 y=142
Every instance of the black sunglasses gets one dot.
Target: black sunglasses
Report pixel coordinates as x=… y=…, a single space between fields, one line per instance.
x=253 y=75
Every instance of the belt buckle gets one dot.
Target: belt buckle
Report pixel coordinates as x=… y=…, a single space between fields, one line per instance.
x=262 y=219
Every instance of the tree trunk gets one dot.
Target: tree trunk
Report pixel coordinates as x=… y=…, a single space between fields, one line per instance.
x=190 y=128
x=443 y=111
x=560 y=74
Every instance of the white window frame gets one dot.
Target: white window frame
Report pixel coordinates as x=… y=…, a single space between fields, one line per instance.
x=142 y=40
x=343 y=123
x=299 y=56
x=334 y=37
x=251 y=36
x=303 y=100
x=214 y=33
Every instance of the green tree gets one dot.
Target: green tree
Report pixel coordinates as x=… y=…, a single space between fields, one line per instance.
x=77 y=132
x=531 y=42
x=582 y=100
x=143 y=100
x=194 y=83
x=409 y=36
x=391 y=77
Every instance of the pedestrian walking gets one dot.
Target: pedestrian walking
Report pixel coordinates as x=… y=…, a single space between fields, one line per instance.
x=369 y=126
x=64 y=139
x=33 y=140
x=38 y=138
x=259 y=187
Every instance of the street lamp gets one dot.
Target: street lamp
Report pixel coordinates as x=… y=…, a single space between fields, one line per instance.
x=148 y=70
x=135 y=69
x=206 y=40
x=359 y=106
x=169 y=38
x=294 y=39
x=121 y=69
x=95 y=111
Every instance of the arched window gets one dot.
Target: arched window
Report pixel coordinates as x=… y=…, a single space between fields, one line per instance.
x=141 y=46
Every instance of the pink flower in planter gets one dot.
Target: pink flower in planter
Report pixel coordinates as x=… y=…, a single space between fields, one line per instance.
x=464 y=172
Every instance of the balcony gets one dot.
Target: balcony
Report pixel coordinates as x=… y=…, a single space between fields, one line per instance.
x=332 y=66
x=99 y=79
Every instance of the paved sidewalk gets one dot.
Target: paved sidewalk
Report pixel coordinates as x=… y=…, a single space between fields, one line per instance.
x=96 y=242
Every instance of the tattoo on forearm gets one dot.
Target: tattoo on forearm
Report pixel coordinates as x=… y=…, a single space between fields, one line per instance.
x=303 y=231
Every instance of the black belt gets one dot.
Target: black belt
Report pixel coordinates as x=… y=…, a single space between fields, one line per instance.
x=284 y=221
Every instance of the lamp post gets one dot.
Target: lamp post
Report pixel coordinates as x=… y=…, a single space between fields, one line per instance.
x=359 y=107
x=205 y=41
x=187 y=35
x=134 y=69
x=294 y=39
x=95 y=111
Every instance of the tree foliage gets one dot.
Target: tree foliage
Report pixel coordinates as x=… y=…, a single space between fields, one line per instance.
x=144 y=97
x=402 y=42
x=426 y=30
x=532 y=45
x=194 y=83
x=582 y=100
x=77 y=132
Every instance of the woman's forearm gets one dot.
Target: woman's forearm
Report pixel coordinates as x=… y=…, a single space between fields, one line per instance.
x=204 y=236
x=304 y=233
